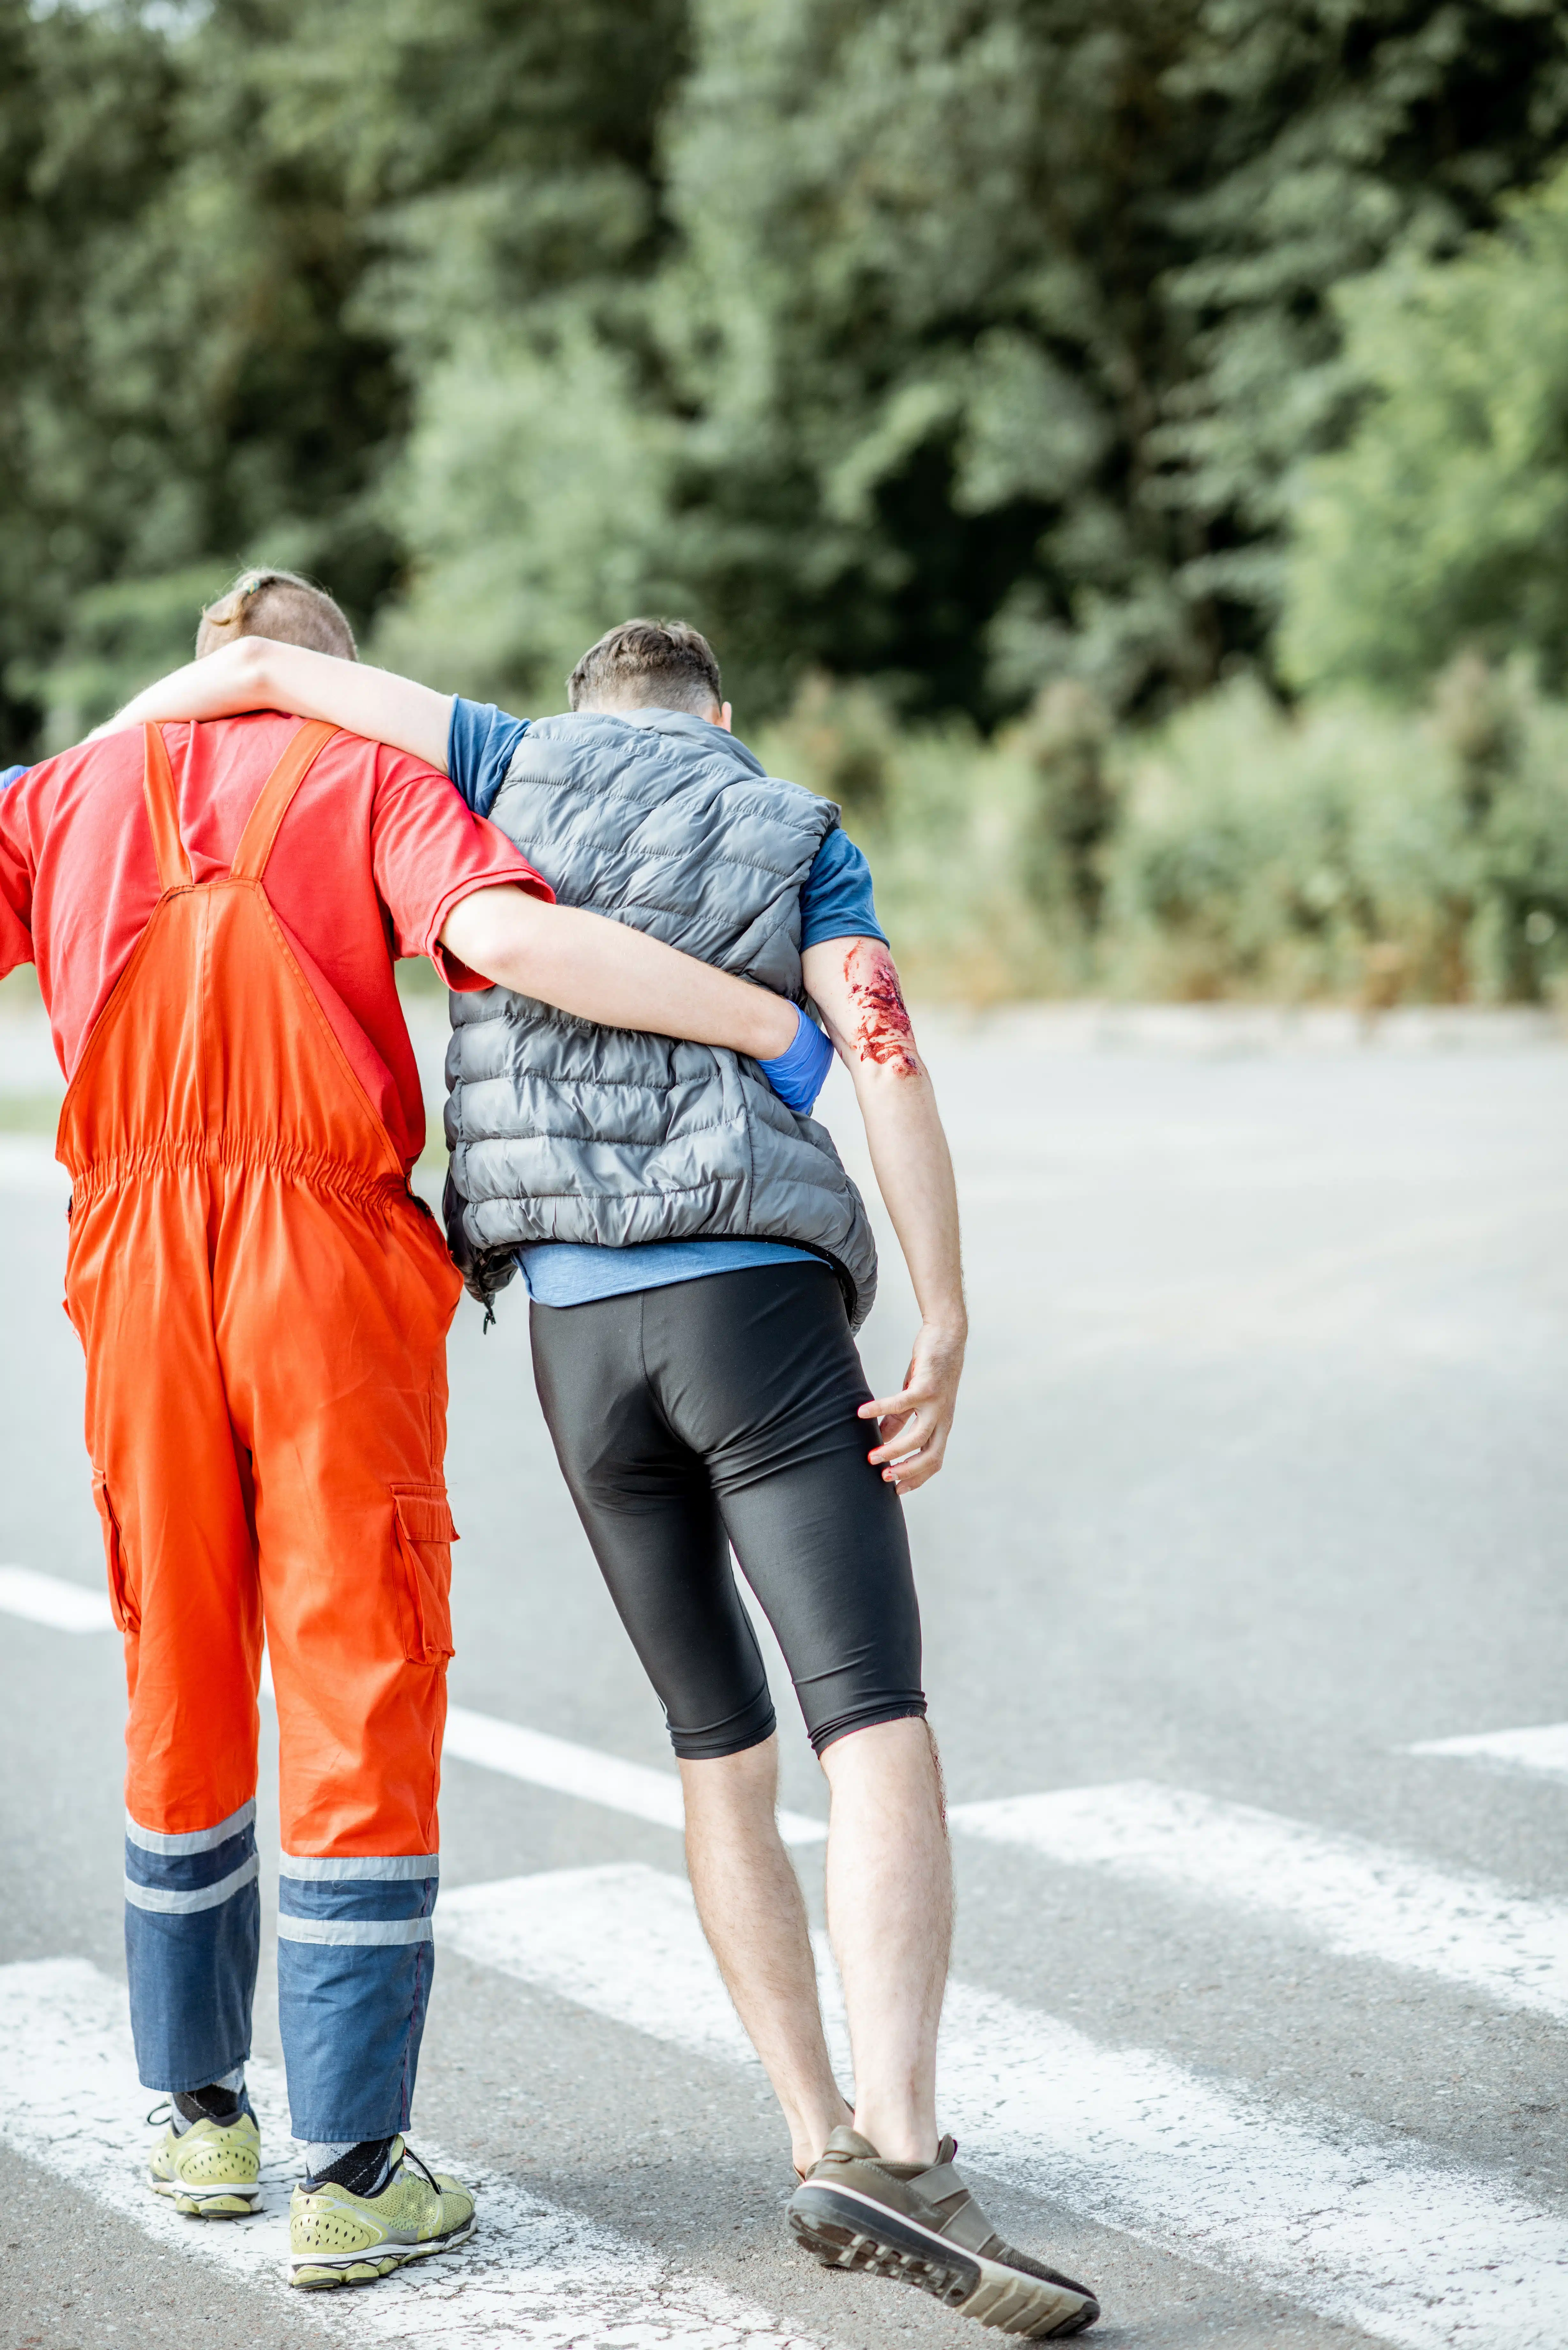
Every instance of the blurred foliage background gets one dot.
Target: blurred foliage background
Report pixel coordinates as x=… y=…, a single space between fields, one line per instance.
x=1119 y=448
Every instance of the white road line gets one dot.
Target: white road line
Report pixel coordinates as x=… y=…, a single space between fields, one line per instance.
x=556 y=1763
x=50 y=1599
x=1544 y=1749
x=531 y=1755
x=1418 y=2253
x=534 y=2272
x=1356 y=1897
x=623 y=1940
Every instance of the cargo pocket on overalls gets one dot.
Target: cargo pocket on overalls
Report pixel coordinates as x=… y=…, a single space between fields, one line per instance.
x=122 y=1602
x=425 y=1537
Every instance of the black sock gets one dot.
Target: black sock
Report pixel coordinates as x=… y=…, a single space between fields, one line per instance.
x=208 y=2104
x=362 y=2171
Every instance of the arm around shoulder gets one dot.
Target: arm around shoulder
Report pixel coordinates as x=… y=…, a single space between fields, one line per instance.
x=606 y=972
x=260 y=673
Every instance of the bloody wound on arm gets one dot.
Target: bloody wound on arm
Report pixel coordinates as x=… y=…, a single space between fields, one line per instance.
x=883 y=1032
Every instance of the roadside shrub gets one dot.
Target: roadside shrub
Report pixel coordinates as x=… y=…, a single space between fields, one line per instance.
x=1065 y=745
x=942 y=815
x=1349 y=850
x=1346 y=851
x=1239 y=865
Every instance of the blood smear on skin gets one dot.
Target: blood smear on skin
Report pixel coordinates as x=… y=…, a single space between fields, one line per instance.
x=884 y=1034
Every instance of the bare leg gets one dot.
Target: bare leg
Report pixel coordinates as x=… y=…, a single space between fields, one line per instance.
x=889 y=1915
x=749 y=1899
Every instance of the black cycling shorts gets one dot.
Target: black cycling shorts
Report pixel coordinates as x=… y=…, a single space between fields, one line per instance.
x=721 y=1411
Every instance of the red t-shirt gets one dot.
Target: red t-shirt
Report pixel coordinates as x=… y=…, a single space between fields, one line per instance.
x=372 y=856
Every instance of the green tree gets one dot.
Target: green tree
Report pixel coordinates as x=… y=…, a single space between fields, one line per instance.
x=189 y=388
x=957 y=344
x=980 y=340
x=868 y=374
x=1442 y=523
x=240 y=240
x=86 y=103
x=1339 y=132
x=518 y=224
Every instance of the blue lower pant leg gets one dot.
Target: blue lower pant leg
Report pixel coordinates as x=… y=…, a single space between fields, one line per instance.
x=192 y=1935
x=354 y=1958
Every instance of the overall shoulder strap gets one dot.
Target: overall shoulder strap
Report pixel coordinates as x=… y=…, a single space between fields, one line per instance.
x=276 y=796
x=162 y=813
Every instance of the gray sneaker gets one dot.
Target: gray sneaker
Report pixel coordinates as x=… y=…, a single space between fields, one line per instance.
x=918 y=2224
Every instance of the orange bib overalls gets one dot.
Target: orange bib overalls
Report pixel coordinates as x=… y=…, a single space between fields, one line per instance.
x=263 y=1307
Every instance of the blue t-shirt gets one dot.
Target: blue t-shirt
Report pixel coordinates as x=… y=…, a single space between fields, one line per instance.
x=836 y=903
x=9 y=775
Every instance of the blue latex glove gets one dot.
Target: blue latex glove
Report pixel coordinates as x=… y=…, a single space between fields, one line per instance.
x=796 y=1074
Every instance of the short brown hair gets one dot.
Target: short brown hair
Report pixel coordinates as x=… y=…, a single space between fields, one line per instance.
x=281 y=605
x=647 y=664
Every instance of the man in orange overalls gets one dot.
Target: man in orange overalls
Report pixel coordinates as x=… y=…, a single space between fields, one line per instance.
x=263 y=1303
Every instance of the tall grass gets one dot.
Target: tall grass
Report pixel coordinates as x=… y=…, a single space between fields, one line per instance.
x=1343 y=851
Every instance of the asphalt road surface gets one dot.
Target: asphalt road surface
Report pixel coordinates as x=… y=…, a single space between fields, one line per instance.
x=1259 y=1484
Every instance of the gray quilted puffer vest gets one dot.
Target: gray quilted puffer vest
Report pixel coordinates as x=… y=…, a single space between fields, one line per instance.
x=560 y=1130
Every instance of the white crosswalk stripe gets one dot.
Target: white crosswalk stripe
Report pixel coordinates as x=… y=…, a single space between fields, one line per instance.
x=1353 y=1896
x=1544 y=1749
x=534 y=1756
x=622 y=1940
x=1365 y=2231
x=1415 y=2251
x=533 y=2272
x=582 y=1771
x=50 y=1599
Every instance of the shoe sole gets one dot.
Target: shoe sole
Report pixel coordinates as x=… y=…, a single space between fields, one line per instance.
x=369 y=2268
x=211 y=2204
x=846 y=2230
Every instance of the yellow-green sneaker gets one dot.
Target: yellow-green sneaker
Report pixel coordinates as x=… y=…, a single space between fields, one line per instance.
x=212 y=2170
x=337 y=2238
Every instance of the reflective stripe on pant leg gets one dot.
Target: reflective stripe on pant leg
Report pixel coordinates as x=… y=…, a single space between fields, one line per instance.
x=192 y=1935
x=355 y=1958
